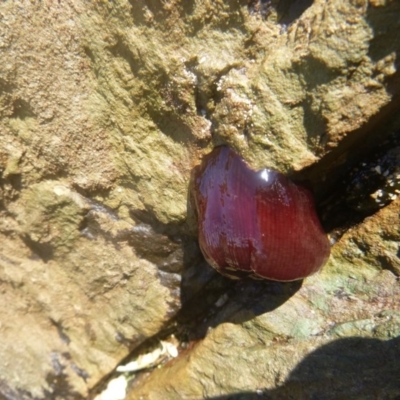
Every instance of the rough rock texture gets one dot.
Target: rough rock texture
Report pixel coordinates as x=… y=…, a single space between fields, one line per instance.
x=105 y=107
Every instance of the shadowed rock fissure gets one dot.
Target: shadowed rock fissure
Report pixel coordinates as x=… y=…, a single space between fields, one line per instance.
x=357 y=179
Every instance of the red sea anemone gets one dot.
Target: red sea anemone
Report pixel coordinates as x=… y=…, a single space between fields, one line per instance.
x=256 y=223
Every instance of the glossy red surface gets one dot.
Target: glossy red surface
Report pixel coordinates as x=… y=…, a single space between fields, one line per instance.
x=256 y=222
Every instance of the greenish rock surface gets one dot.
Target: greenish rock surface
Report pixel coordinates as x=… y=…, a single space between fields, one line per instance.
x=105 y=108
x=337 y=337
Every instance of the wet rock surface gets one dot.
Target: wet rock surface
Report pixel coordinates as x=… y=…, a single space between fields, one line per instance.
x=105 y=108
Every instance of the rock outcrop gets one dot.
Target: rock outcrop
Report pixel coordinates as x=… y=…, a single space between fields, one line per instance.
x=105 y=109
